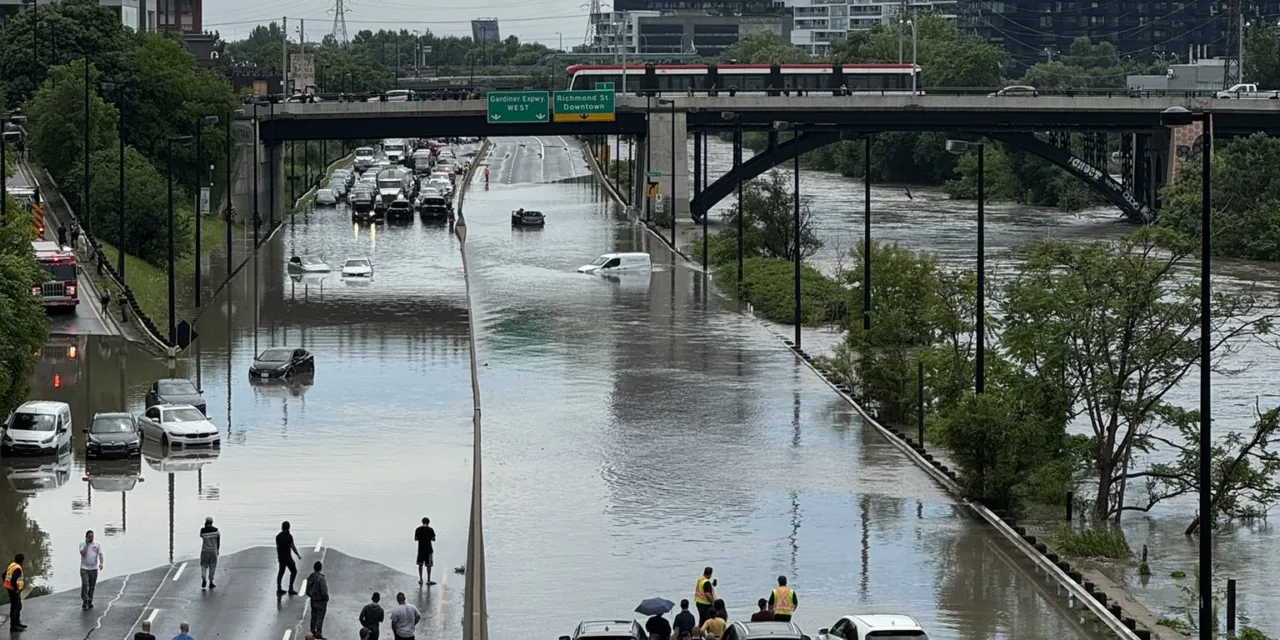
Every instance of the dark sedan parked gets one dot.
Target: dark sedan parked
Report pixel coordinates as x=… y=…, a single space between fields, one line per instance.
x=281 y=362
x=175 y=391
x=522 y=218
x=113 y=435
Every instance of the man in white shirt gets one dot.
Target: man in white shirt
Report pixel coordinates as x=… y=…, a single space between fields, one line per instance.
x=404 y=618
x=90 y=564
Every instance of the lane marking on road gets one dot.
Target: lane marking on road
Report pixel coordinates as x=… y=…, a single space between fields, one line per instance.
x=177 y=575
x=288 y=633
x=152 y=617
x=318 y=544
x=150 y=600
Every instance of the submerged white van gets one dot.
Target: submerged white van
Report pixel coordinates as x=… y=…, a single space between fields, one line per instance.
x=618 y=262
x=39 y=427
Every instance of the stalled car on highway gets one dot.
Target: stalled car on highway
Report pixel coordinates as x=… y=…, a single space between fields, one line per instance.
x=175 y=391
x=307 y=264
x=38 y=427
x=112 y=435
x=178 y=424
x=326 y=198
x=357 y=268
x=608 y=630
x=874 y=627
x=524 y=218
x=616 y=262
x=400 y=210
x=282 y=362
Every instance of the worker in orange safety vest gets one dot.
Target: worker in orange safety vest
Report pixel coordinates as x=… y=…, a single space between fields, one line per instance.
x=13 y=584
x=782 y=601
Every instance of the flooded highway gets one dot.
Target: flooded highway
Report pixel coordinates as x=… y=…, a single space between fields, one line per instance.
x=636 y=431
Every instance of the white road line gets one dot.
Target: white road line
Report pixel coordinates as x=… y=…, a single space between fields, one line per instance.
x=542 y=158
x=152 y=617
x=179 y=573
x=304 y=586
x=288 y=633
x=318 y=544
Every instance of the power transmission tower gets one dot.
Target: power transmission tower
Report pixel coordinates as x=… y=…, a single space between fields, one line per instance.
x=340 y=22
x=593 y=19
x=1231 y=70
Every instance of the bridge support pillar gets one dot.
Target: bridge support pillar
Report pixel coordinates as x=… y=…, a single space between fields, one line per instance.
x=242 y=172
x=665 y=162
x=274 y=167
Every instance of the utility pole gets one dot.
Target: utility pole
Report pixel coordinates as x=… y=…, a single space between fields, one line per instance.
x=284 y=57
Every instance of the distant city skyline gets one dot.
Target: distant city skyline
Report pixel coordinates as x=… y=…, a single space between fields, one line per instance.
x=545 y=21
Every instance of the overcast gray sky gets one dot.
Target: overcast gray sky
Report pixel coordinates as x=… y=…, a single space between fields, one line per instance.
x=544 y=21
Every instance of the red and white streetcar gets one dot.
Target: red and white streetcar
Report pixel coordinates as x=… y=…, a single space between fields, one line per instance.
x=834 y=79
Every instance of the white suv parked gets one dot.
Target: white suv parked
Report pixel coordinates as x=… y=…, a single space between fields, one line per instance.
x=39 y=427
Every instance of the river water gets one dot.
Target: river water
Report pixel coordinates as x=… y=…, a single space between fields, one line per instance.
x=925 y=219
x=636 y=430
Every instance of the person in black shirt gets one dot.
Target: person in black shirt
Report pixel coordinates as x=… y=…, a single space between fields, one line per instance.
x=685 y=622
x=371 y=616
x=425 y=536
x=145 y=632
x=658 y=628
x=285 y=547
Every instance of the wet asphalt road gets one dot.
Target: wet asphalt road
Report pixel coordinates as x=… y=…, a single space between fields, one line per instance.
x=636 y=430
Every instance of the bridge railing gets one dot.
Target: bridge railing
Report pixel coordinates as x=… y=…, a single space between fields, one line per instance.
x=472 y=94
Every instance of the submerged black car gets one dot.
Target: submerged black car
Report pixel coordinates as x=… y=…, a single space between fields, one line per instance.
x=113 y=435
x=280 y=362
x=400 y=211
x=175 y=391
x=522 y=218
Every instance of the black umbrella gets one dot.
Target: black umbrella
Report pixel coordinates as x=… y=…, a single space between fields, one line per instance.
x=655 y=606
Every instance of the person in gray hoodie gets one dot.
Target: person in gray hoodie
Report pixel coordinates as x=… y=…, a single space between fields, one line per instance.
x=318 y=591
x=210 y=545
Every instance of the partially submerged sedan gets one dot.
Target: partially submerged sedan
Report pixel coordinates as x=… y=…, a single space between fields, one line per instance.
x=282 y=362
x=306 y=264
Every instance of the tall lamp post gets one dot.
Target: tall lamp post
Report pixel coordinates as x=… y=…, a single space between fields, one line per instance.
x=257 y=149
x=795 y=292
x=866 y=233
x=173 y=331
x=230 y=116
x=1176 y=117
x=672 y=104
x=200 y=124
x=914 y=49
x=118 y=89
x=84 y=211
x=961 y=147
x=5 y=119
x=35 y=34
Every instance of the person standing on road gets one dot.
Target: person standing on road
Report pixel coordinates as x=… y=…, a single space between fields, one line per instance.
x=684 y=623
x=184 y=632
x=210 y=545
x=62 y=235
x=783 y=601
x=704 y=595
x=75 y=235
x=426 y=537
x=371 y=616
x=404 y=618
x=90 y=564
x=285 y=547
x=13 y=583
x=145 y=632
x=318 y=591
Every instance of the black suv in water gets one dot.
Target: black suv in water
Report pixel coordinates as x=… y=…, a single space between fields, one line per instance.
x=523 y=218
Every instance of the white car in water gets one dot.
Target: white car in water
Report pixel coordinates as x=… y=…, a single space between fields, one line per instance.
x=618 y=262
x=326 y=198
x=178 y=424
x=357 y=268
x=874 y=626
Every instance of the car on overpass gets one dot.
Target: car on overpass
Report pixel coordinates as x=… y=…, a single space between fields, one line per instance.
x=1015 y=91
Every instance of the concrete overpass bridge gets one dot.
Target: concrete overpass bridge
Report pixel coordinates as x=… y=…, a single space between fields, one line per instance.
x=1042 y=125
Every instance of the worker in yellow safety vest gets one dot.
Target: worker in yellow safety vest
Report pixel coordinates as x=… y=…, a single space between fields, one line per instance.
x=704 y=595
x=782 y=601
x=13 y=583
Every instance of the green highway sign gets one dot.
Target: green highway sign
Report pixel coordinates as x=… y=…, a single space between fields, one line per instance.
x=584 y=106
x=604 y=86
x=654 y=174
x=518 y=107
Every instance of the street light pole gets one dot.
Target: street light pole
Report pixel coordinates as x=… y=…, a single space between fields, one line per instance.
x=120 y=97
x=866 y=233
x=915 y=31
x=84 y=211
x=257 y=216
x=200 y=123
x=796 y=224
x=980 y=376
x=173 y=331
x=1206 y=423
x=227 y=204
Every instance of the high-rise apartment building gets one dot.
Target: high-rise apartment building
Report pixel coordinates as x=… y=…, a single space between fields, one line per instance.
x=818 y=23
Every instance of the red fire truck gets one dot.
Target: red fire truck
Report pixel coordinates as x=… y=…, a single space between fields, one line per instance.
x=60 y=263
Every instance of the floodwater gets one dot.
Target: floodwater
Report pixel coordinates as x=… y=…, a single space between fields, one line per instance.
x=925 y=219
x=636 y=430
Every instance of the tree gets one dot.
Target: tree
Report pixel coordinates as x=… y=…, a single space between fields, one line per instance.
x=1086 y=65
x=945 y=60
x=764 y=48
x=56 y=122
x=1245 y=201
x=146 y=206
x=68 y=30
x=1118 y=326
x=768 y=209
x=1262 y=54
x=23 y=328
